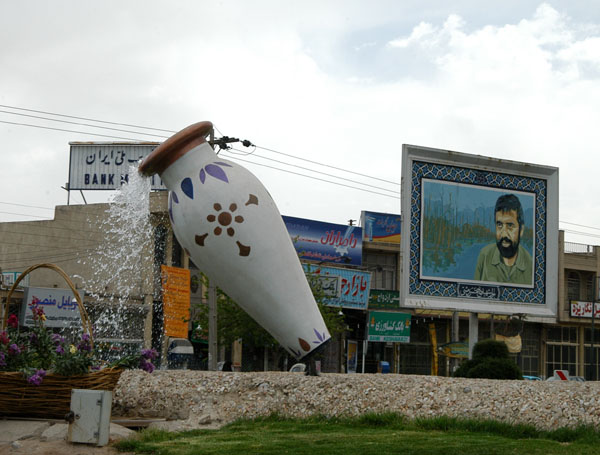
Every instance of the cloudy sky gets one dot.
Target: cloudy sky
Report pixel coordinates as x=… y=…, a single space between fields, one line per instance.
x=327 y=86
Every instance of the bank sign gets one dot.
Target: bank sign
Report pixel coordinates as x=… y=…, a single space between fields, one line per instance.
x=59 y=305
x=325 y=242
x=105 y=166
x=388 y=326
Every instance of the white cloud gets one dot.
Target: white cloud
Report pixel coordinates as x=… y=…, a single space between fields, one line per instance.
x=323 y=81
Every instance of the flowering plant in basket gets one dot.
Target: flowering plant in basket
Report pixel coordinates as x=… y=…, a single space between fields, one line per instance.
x=37 y=351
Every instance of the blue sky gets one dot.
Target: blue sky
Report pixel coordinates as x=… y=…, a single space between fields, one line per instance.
x=344 y=83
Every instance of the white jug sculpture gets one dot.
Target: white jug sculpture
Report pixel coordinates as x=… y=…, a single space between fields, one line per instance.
x=230 y=226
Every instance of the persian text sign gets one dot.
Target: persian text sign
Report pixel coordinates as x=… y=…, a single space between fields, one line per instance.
x=584 y=309
x=381 y=227
x=59 y=305
x=388 y=326
x=325 y=242
x=105 y=166
x=354 y=286
x=176 y=300
x=9 y=278
x=383 y=299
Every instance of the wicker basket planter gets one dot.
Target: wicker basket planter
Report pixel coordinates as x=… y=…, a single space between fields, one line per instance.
x=52 y=398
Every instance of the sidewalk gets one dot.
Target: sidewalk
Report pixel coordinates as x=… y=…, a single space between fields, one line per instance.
x=41 y=437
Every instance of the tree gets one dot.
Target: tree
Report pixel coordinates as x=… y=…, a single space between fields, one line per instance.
x=234 y=323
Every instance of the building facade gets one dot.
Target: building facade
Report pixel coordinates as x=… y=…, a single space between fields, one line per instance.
x=77 y=235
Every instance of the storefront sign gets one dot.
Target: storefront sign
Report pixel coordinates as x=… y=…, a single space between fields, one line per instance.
x=381 y=227
x=325 y=242
x=105 y=166
x=354 y=285
x=176 y=300
x=9 y=278
x=455 y=350
x=584 y=310
x=383 y=299
x=59 y=305
x=389 y=326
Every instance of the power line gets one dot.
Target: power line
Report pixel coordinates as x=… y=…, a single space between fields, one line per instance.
x=312 y=170
x=82 y=124
x=23 y=214
x=580 y=225
x=71 y=131
x=25 y=205
x=310 y=177
x=327 y=165
x=32 y=234
x=158 y=129
x=87 y=119
x=149 y=128
x=586 y=234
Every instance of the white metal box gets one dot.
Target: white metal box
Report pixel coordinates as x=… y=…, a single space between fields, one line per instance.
x=91 y=411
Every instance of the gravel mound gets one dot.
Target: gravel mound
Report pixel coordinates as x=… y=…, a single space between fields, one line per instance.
x=199 y=399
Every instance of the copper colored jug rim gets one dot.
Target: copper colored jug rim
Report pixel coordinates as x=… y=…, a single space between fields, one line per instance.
x=175 y=147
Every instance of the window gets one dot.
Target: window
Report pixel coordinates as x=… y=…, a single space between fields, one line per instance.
x=383 y=268
x=562 y=345
x=573 y=285
x=589 y=288
x=530 y=351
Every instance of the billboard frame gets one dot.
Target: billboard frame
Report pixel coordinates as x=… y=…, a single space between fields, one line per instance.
x=539 y=300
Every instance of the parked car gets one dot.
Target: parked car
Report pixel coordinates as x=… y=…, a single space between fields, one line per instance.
x=298 y=368
x=532 y=378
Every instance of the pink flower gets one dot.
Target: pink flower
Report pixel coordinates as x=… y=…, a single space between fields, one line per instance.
x=13 y=321
x=4 y=338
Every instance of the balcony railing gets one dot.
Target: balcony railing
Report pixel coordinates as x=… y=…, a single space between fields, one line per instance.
x=580 y=248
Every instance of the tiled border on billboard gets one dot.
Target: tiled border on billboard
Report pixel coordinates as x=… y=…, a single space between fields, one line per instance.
x=505 y=293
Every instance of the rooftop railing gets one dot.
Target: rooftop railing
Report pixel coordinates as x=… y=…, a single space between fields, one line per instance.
x=580 y=248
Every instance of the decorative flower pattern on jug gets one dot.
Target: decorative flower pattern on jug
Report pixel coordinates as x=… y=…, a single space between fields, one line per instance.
x=230 y=226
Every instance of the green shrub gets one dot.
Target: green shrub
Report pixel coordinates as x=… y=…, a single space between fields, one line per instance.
x=491 y=361
x=490 y=348
x=491 y=368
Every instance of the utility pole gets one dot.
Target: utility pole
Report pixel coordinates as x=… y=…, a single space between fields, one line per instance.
x=212 y=328
x=212 y=310
x=593 y=358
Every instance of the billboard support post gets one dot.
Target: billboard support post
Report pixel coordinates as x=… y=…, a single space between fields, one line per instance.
x=455 y=337
x=473 y=332
x=592 y=356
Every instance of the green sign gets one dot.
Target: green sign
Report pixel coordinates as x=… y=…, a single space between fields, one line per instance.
x=382 y=299
x=388 y=326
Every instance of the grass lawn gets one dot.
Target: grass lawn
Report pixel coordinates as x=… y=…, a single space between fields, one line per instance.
x=377 y=434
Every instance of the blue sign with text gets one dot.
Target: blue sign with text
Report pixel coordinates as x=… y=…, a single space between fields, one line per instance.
x=325 y=242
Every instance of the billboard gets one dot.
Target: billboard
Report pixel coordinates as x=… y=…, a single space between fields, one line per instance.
x=354 y=285
x=59 y=305
x=325 y=242
x=105 y=166
x=381 y=227
x=481 y=234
